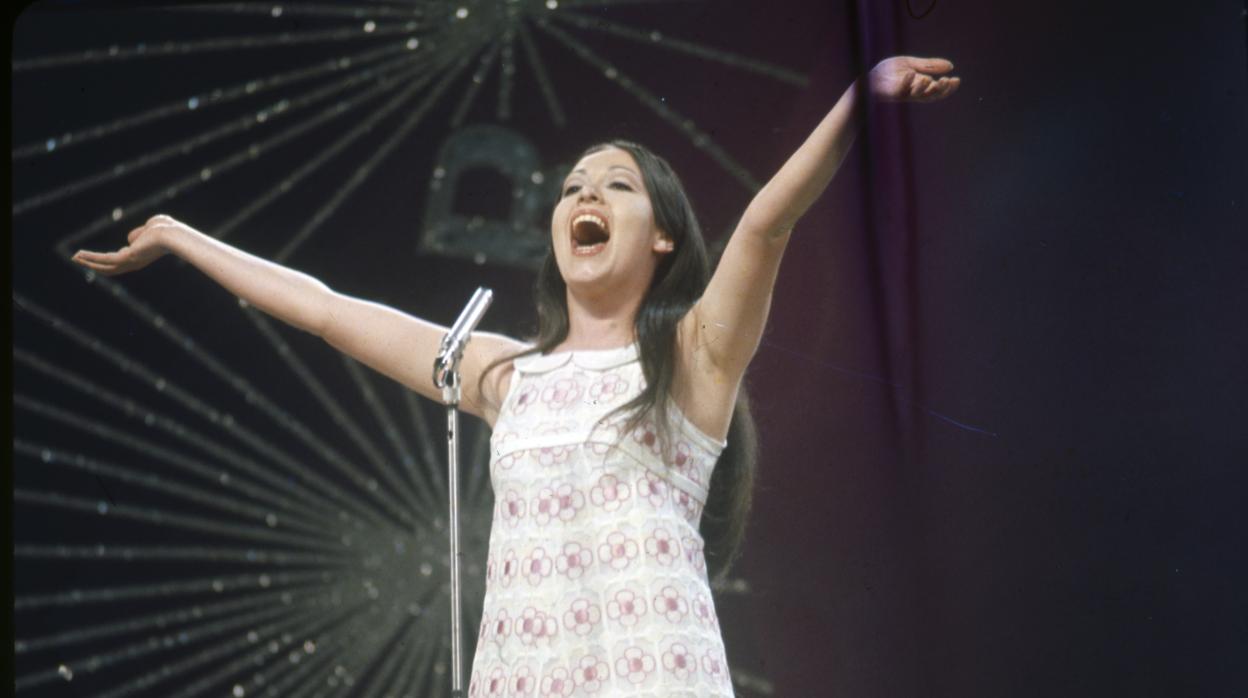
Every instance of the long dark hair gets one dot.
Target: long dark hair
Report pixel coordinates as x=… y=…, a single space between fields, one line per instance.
x=679 y=280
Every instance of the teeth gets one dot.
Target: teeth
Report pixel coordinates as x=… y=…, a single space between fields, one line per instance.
x=591 y=218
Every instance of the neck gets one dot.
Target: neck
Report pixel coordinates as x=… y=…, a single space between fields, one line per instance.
x=601 y=321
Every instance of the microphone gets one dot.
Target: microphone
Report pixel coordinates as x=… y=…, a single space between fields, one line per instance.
x=452 y=349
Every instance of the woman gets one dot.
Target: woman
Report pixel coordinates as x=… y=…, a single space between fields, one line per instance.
x=608 y=428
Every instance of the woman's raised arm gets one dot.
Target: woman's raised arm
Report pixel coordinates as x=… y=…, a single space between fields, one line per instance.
x=721 y=333
x=394 y=343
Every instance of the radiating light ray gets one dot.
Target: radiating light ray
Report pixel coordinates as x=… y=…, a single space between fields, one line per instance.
x=413 y=11
x=201 y=585
x=543 y=78
x=283 y=685
x=381 y=675
x=340 y=416
x=131 y=367
x=474 y=85
x=205 y=100
x=506 y=73
x=280 y=109
x=163 y=621
x=401 y=450
x=287 y=184
x=655 y=38
x=250 y=658
x=435 y=478
x=404 y=684
x=141 y=649
x=192 y=181
x=284 y=633
x=160 y=517
x=308 y=674
x=219 y=477
x=54 y=456
x=230 y=43
x=363 y=171
x=356 y=662
x=576 y=4
x=197 y=553
x=137 y=411
x=700 y=139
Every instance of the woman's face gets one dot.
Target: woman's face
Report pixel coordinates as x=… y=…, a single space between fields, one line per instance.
x=603 y=230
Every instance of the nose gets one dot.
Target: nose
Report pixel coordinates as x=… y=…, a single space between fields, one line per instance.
x=588 y=192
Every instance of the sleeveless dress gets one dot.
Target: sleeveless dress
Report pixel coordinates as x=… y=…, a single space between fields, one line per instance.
x=596 y=582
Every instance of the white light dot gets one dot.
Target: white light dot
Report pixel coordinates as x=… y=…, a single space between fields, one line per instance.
x=309 y=646
x=46 y=456
x=218 y=586
x=265 y=581
x=271 y=520
x=612 y=73
x=552 y=4
x=118 y=213
x=252 y=637
x=238 y=691
x=276 y=11
x=192 y=103
x=461 y=13
x=537 y=177
x=65 y=672
x=426 y=569
x=102 y=507
x=51 y=144
x=369 y=26
x=413 y=43
x=655 y=36
x=205 y=174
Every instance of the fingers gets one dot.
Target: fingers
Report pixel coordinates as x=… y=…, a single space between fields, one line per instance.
x=934 y=65
x=95 y=262
x=938 y=89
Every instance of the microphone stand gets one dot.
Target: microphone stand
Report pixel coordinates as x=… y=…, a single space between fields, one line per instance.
x=446 y=377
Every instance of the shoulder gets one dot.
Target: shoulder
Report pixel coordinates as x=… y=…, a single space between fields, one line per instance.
x=703 y=390
x=487 y=371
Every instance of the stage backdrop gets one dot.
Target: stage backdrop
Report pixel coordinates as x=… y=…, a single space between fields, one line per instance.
x=1000 y=396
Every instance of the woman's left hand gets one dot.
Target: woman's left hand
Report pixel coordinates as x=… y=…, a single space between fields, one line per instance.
x=910 y=79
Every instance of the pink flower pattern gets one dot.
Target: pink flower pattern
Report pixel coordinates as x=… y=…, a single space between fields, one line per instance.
x=609 y=493
x=558 y=682
x=561 y=394
x=595 y=579
x=537 y=566
x=671 y=605
x=573 y=560
x=618 y=551
x=582 y=617
x=635 y=665
x=533 y=626
x=662 y=546
x=591 y=674
x=626 y=608
x=680 y=661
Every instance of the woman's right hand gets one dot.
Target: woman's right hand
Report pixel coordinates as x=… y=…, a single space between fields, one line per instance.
x=147 y=244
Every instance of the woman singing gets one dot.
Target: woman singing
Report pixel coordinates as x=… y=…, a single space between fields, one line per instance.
x=618 y=426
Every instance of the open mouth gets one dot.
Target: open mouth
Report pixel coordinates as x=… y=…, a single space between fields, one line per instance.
x=589 y=234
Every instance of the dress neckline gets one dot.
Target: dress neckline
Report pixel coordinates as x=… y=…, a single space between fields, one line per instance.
x=597 y=359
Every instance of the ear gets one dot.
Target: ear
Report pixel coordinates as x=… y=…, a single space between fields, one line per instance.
x=663 y=244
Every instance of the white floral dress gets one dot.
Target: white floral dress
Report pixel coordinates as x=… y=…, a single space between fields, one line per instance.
x=596 y=581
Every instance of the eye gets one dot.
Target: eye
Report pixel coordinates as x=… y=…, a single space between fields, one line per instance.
x=571 y=189
x=622 y=185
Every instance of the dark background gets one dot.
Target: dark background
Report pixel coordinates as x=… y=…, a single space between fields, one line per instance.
x=1001 y=392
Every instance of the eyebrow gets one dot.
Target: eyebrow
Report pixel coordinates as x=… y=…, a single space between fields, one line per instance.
x=613 y=167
